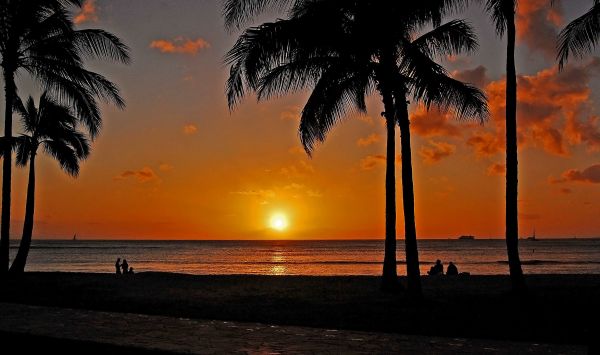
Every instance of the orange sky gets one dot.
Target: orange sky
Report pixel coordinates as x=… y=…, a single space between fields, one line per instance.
x=176 y=165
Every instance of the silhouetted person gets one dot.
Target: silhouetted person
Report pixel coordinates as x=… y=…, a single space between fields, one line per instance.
x=118 y=266
x=130 y=270
x=125 y=266
x=437 y=269
x=452 y=270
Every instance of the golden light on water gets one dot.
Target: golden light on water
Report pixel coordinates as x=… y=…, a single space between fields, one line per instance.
x=278 y=222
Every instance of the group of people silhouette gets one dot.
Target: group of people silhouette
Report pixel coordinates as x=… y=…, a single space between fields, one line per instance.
x=438 y=269
x=123 y=268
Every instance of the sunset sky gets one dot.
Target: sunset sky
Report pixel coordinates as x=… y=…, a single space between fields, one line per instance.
x=175 y=164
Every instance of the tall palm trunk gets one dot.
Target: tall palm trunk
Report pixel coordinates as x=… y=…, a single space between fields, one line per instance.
x=408 y=199
x=390 y=274
x=9 y=92
x=512 y=217
x=18 y=264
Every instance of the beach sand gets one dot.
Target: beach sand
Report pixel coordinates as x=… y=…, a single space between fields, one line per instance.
x=558 y=309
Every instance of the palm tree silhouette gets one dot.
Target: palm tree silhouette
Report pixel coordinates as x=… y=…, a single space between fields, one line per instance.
x=52 y=127
x=38 y=37
x=322 y=46
x=581 y=36
x=503 y=15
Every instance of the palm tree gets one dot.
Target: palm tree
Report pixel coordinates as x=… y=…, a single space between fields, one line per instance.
x=52 y=127
x=581 y=36
x=503 y=15
x=38 y=37
x=342 y=68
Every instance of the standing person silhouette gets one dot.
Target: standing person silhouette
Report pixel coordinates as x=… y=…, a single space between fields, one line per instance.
x=125 y=266
x=118 y=266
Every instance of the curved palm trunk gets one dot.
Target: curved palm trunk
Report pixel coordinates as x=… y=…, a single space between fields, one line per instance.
x=18 y=264
x=408 y=199
x=10 y=92
x=390 y=274
x=512 y=217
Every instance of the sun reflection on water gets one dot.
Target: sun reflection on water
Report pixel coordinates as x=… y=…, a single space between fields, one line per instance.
x=278 y=259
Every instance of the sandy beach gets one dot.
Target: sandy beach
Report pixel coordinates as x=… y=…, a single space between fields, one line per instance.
x=559 y=309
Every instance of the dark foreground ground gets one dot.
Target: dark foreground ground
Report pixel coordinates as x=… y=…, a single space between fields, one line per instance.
x=558 y=309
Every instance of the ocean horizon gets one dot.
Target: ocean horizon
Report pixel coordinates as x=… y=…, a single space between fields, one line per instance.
x=307 y=257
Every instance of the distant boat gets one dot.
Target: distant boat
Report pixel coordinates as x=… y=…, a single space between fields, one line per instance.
x=75 y=237
x=466 y=237
x=532 y=236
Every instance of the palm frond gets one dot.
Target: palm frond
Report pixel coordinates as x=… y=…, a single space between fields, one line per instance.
x=579 y=37
x=431 y=84
x=451 y=38
x=500 y=11
x=64 y=154
x=238 y=12
x=97 y=43
x=337 y=92
x=25 y=146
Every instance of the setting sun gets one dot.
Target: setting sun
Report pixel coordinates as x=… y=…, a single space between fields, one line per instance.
x=278 y=222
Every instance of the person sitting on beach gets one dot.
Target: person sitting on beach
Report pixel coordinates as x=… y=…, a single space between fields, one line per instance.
x=125 y=266
x=452 y=270
x=437 y=269
x=118 y=266
x=130 y=270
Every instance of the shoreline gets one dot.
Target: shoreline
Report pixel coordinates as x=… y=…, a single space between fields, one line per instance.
x=558 y=308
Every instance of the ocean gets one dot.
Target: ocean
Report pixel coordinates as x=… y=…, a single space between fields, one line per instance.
x=347 y=257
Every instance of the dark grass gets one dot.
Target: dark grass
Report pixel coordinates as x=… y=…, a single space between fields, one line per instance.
x=557 y=308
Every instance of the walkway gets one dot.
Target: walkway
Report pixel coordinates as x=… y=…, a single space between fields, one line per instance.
x=180 y=335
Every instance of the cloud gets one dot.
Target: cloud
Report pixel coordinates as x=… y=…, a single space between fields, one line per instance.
x=180 y=45
x=554 y=112
x=565 y=190
x=165 y=167
x=590 y=175
x=584 y=131
x=433 y=123
x=436 y=151
x=366 y=119
x=485 y=144
x=259 y=193
x=537 y=25
x=88 y=13
x=497 y=169
x=371 y=161
x=190 y=128
x=299 y=169
x=314 y=193
x=291 y=113
x=476 y=76
x=143 y=175
x=368 y=140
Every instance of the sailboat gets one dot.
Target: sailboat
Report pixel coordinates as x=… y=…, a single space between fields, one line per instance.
x=532 y=236
x=75 y=237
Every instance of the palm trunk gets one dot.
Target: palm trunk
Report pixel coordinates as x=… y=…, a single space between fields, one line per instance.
x=512 y=217
x=18 y=264
x=390 y=274
x=10 y=92
x=408 y=199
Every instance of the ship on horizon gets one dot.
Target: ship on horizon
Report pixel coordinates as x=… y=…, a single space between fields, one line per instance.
x=466 y=237
x=532 y=236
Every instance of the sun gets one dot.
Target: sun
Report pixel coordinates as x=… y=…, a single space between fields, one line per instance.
x=278 y=222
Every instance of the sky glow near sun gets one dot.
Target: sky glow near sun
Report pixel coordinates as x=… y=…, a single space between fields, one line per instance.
x=176 y=164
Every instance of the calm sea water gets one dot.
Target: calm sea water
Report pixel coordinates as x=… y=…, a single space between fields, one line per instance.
x=482 y=257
